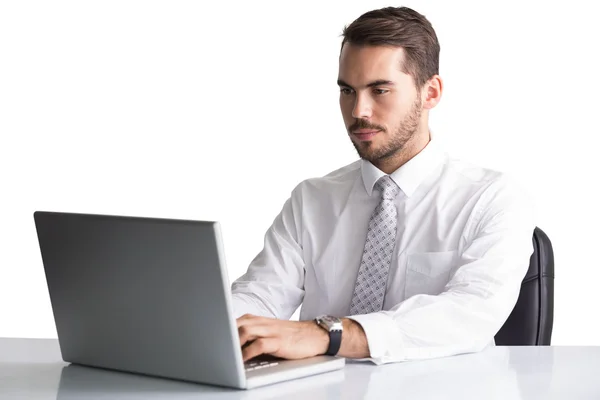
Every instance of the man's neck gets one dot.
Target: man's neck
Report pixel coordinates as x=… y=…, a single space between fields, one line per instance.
x=413 y=147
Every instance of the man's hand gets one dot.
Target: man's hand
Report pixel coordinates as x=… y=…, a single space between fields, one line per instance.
x=285 y=339
x=296 y=339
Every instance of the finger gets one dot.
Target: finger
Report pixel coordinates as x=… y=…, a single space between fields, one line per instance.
x=252 y=332
x=243 y=318
x=248 y=319
x=251 y=320
x=260 y=346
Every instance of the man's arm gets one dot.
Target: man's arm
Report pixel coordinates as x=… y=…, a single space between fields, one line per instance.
x=478 y=298
x=273 y=285
x=462 y=319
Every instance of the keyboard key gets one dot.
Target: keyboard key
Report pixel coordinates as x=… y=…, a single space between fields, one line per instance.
x=254 y=366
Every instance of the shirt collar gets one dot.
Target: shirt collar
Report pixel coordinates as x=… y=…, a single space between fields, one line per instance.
x=410 y=175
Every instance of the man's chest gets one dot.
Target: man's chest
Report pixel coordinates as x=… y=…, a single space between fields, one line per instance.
x=429 y=238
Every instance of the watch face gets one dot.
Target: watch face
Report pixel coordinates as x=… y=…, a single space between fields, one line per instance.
x=331 y=323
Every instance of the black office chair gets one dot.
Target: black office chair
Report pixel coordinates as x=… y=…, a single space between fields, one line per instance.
x=530 y=322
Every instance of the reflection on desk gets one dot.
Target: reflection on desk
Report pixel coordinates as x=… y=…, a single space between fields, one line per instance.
x=32 y=369
x=77 y=382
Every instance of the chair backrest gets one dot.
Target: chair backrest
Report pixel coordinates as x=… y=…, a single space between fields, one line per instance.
x=530 y=322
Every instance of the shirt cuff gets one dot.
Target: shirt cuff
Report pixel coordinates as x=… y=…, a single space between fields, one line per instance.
x=380 y=330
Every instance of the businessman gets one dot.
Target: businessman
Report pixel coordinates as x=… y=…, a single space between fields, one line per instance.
x=404 y=254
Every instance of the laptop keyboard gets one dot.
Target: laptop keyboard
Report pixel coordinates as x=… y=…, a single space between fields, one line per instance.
x=262 y=361
x=251 y=366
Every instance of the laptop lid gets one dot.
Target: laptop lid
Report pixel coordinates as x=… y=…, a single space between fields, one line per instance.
x=144 y=295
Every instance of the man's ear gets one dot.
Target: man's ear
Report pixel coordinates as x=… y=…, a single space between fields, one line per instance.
x=432 y=92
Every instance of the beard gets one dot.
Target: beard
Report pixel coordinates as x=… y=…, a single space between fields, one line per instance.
x=405 y=131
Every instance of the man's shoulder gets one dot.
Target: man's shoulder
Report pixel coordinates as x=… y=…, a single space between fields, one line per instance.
x=472 y=174
x=339 y=178
x=489 y=186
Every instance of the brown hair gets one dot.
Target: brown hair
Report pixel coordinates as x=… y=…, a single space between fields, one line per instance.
x=399 y=27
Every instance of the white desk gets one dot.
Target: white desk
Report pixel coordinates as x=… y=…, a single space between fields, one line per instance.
x=33 y=369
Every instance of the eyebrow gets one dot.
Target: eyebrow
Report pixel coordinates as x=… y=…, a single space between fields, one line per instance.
x=378 y=82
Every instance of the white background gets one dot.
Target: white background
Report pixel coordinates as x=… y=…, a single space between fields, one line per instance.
x=215 y=111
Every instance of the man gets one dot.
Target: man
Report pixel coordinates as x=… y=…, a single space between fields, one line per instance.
x=417 y=254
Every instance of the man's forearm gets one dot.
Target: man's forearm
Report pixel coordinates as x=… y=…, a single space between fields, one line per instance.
x=354 y=340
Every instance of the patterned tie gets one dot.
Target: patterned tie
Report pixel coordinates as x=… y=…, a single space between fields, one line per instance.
x=377 y=255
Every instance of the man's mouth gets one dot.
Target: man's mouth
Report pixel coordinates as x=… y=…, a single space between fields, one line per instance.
x=365 y=134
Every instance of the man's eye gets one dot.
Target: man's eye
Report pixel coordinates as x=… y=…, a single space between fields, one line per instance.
x=345 y=91
x=380 y=91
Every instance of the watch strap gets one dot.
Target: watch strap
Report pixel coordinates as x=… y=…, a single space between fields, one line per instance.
x=335 y=341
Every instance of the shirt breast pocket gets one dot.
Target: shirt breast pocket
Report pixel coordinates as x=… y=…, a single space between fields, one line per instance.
x=428 y=273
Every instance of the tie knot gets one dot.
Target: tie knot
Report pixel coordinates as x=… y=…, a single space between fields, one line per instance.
x=388 y=188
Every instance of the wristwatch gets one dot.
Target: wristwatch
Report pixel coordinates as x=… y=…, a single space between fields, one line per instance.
x=333 y=326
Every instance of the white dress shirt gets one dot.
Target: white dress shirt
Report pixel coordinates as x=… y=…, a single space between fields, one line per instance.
x=462 y=249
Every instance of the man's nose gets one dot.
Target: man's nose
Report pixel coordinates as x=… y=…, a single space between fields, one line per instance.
x=362 y=108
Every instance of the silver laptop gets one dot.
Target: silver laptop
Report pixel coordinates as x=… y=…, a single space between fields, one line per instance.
x=151 y=296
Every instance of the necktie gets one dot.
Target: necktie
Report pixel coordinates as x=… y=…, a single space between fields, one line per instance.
x=369 y=289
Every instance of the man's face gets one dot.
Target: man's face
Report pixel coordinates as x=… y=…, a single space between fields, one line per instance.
x=380 y=104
